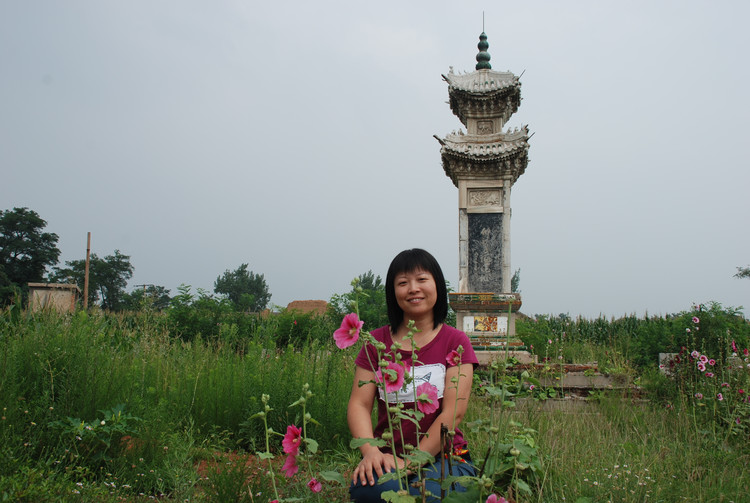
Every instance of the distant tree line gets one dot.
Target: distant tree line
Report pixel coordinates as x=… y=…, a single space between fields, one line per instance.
x=29 y=254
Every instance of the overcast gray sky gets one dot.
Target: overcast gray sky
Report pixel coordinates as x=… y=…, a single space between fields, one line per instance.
x=298 y=137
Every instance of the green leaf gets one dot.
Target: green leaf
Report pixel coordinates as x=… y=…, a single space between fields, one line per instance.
x=356 y=443
x=312 y=445
x=395 y=497
x=264 y=455
x=332 y=476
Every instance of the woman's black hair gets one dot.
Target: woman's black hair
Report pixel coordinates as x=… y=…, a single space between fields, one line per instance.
x=408 y=261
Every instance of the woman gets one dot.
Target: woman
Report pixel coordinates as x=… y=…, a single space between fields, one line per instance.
x=415 y=292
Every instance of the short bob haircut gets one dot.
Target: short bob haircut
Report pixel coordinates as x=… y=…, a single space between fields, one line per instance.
x=409 y=261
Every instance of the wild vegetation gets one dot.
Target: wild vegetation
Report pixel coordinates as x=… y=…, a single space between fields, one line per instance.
x=149 y=404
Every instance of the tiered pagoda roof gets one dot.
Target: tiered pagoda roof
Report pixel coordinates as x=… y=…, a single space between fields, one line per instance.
x=484 y=100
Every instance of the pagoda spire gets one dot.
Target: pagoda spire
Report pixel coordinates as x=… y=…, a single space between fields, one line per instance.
x=483 y=58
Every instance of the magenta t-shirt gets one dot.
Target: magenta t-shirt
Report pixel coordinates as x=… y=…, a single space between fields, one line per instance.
x=431 y=367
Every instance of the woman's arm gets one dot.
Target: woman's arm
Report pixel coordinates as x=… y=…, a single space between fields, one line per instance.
x=455 y=401
x=359 y=417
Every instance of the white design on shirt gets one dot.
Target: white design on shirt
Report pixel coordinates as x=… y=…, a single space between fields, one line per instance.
x=434 y=373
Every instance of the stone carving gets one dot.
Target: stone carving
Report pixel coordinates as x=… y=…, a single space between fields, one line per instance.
x=484 y=197
x=485 y=127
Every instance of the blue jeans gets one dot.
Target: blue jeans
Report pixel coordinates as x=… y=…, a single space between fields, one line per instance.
x=365 y=493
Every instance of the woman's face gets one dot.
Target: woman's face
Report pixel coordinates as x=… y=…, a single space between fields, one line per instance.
x=416 y=293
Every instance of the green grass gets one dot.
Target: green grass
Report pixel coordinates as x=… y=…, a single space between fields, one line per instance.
x=186 y=402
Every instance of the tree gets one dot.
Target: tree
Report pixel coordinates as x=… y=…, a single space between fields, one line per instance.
x=247 y=291
x=743 y=272
x=108 y=278
x=25 y=250
x=154 y=296
x=515 y=281
x=368 y=291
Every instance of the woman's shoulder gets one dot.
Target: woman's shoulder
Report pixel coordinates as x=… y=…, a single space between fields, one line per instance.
x=381 y=333
x=453 y=332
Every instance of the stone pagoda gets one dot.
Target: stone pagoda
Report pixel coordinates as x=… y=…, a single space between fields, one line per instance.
x=484 y=162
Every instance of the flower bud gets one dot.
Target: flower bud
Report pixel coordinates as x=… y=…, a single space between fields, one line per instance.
x=514 y=452
x=387 y=435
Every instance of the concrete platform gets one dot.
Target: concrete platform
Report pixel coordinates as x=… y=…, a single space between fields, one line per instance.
x=487 y=357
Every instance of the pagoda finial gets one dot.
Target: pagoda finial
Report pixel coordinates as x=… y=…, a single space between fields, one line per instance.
x=483 y=58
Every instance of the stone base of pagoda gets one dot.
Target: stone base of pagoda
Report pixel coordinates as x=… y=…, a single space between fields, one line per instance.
x=489 y=321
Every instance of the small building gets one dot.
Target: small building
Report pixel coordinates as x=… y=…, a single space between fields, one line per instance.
x=316 y=307
x=61 y=297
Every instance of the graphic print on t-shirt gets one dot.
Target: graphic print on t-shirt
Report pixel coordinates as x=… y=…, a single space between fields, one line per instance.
x=433 y=373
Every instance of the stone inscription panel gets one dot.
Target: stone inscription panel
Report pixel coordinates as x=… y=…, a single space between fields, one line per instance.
x=485 y=250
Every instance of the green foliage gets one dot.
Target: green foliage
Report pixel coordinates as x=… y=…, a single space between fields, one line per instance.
x=515 y=281
x=367 y=296
x=25 y=250
x=94 y=443
x=246 y=290
x=743 y=272
x=149 y=297
x=108 y=278
x=631 y=341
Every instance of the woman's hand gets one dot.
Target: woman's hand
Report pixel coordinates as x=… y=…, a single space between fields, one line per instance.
x=375 y=462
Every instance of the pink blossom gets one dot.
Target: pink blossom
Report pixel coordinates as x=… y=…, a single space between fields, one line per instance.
x=720 y=397
x=348 y=333
x=427 y=398
x=725 y=385
x=704 y=358
x=292 y=440
x=549 y=341
x=696 y=319
x=496 y=499
x=709 y=374
x=701 y=366
x=531 y=387
x=453 y=358
x=712 y=362
x=740 y=391
x=699 y=395
x=687 y=330
x=392 y=376
x=290 y=466
x=734 y=347
x=746 y=352
x=695 y=354
x=314 y=485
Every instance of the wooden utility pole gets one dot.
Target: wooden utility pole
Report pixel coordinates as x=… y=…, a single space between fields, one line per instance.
x=86 y=274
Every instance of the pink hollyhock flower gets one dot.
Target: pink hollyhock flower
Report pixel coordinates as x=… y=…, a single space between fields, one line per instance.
x=740 y=391
x=720 y=397
x=292 y=440
x=493 y=498
x=687 y=330
x=696 y=319
x=699 y=395
x=531 y=387
x=549 y=341
x=392 y=376
x=709 y=374
x=725 y=385
x=746 y=352
x=734 y=347
x=290 y=466
x=453 y=358
x=695 y=354
x=427 y=398
x=704 y=358
x=314 y=485
x=712 y=362
x=701 y=366
x=348 y=333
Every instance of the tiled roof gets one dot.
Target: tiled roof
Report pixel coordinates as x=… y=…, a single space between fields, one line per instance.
x=481 y=81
